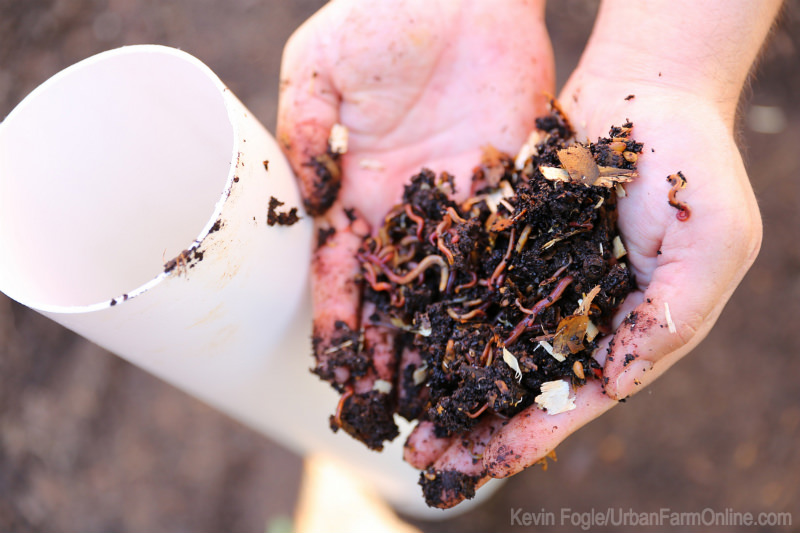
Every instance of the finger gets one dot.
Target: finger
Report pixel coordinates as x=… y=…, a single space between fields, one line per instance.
x=459 y=471
x=308 y=107
x=423 y=447
x=336 y=297
x=412 y=394
x=366 y=410
x=532 y=434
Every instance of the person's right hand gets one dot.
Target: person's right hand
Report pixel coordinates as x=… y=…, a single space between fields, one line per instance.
x=424 y=83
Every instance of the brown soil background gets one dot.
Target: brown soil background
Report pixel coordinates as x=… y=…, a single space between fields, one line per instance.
x=90 y=443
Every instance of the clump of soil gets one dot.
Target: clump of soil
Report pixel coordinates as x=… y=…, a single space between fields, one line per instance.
x=506 y=291
x=285 y=218
x=509 y=289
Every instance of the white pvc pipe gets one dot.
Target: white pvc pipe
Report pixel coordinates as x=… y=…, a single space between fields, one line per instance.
x=112 y=168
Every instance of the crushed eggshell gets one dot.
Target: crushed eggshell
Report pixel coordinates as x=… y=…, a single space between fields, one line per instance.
x=338 y=139
x=555 y=398
x=511 y=361
x=591 y=331
x=382 y=386
x=420 y=374
x=554 y=173
x=498 y=195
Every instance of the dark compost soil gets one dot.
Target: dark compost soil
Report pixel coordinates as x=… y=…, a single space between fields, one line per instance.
x=504 y=292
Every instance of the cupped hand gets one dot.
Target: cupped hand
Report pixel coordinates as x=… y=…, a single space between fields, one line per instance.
x=688 y=256
x=417 y=84
x=686 y=268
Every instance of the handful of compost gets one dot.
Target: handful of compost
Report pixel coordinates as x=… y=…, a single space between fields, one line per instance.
x=503 y=296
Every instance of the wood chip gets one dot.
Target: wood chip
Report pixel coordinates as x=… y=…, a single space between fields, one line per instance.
x=555 y=398
x=618 y=248
x=511 y=361
x=580 y=164
x=493 y=165
x=670 y=324
x=420 y=375
x=338 y=139
x=554 y=173
x=586 y=302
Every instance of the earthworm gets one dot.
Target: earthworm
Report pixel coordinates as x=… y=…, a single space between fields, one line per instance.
x=523 y=238
x=446 y=251
x=487 y=352
x=409 y=239
x=678 y=182
x=450 y=280
x=396 y=210
x=397 y=299
x=423 y=265
x=387 y=253
x=455 y=216
x=337 y=418
x=443 y=226
x=540 y=306
x=471 y=283
x=557 y=273
x=479 y=412
x=466 y=316
x=416 y=218
x=401 y=259
x=502 y=265
x=372 y=258
x=371 y=277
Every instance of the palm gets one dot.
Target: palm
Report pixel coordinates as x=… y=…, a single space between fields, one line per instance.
x=428 y=84
x=676 y=262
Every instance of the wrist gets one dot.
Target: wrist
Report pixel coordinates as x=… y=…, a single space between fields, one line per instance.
x=599 y=97
x=703 y=50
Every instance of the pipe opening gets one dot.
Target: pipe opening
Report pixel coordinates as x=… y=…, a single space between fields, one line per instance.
x=107 y=170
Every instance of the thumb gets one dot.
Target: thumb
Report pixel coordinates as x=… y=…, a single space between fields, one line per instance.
x=308 y=108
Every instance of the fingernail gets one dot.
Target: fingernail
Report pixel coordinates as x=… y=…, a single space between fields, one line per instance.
x=633 y=378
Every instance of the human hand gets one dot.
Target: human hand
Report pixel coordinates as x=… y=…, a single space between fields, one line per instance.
x=692 y=266
x=686 y=78
x=417 y=84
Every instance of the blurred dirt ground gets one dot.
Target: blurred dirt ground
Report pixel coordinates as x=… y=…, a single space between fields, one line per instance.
x=90 y=443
